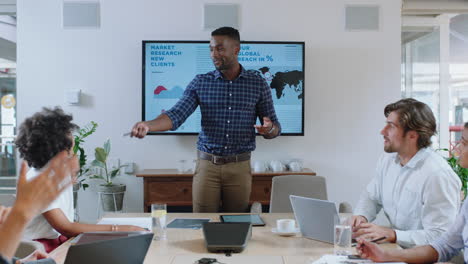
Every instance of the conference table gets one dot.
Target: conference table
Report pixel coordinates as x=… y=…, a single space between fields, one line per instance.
x=188 y=245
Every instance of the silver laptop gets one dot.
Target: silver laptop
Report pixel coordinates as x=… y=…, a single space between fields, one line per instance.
x=316 y=218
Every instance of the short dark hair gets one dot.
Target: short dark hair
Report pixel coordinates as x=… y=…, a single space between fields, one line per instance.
x=227 y=31
x=417 y=116
x=43 y=135
x=466 y=125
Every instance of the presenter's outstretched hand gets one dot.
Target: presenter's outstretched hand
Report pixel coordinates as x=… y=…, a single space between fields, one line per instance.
x=266 y=127
x=140 y=130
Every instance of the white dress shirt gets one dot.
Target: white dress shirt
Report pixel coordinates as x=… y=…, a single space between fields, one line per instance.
x=421 y=199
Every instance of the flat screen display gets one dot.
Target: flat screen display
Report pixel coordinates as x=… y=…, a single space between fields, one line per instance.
x=169 y=66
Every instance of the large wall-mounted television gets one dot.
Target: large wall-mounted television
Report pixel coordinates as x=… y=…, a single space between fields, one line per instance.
x=169 y=66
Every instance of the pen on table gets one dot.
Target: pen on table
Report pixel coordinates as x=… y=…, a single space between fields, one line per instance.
x=373 y=240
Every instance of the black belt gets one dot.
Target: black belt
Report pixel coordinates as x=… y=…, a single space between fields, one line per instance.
x=220 y=160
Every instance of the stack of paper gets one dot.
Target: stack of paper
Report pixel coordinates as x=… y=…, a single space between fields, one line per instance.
x=334 y=259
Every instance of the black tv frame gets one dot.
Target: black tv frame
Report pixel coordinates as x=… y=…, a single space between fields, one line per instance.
x=144 y=42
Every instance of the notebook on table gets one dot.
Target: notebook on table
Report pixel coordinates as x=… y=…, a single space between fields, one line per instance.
x=107 y=247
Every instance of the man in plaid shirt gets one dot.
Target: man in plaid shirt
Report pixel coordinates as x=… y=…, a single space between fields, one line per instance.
x=230 y=99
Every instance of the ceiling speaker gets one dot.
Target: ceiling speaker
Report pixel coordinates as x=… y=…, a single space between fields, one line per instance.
x=362 y=17
x=81 y=14
x=220 y=15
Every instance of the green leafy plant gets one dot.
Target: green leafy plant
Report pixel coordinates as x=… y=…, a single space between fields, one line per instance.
x=78 y=148
x=100 y=161
x=459 y=170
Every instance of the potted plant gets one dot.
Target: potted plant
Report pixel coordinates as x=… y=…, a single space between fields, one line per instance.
x=460 y=171
x=79 y=150
x=111 y=194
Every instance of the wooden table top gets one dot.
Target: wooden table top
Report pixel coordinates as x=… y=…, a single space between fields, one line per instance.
x=187 y=245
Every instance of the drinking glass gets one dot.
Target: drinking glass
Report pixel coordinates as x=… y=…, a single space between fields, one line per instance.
x=158 y=220
x=342 y=236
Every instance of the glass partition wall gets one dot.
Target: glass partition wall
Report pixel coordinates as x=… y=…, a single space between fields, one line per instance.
x=7 y=130
x=434 y=70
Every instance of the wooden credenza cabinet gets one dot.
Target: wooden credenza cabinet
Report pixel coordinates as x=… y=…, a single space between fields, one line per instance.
x=175 y=189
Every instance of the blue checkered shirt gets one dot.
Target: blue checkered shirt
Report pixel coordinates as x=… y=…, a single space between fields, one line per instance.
x=229 y=110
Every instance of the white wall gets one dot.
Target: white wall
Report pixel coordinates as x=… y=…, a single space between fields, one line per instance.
x=350 y=77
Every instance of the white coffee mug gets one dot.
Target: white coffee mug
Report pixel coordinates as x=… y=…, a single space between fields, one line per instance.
x=276 y=165
x=259 y=166
x=285 y=225
x=295 y=165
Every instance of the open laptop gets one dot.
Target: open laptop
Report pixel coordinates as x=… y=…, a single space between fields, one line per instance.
x=123 y=249
x=316 y=218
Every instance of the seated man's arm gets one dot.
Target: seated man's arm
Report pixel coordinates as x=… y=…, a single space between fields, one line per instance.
x=442 y=249
x=451 y=242
x=421 y=254
x=369 y=203
x=366 y=210
x=441 y=201
x=59 y=222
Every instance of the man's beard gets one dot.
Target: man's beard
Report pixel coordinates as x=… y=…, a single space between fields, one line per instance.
x=389 y=149
x=223 y=66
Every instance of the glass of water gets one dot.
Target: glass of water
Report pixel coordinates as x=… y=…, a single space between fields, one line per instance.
x=342 y=236
x=158 y=220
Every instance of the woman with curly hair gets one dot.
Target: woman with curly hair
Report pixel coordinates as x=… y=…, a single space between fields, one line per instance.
x=41 y=137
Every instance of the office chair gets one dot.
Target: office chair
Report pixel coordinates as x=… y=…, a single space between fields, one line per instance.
x=301 y=185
